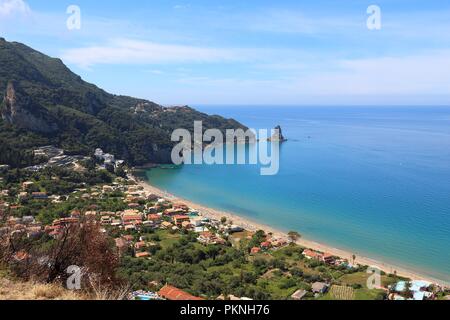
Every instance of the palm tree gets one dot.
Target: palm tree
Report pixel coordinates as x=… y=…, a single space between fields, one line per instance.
x=354 y=258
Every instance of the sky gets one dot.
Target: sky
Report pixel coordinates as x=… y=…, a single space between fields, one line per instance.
x=209 y=52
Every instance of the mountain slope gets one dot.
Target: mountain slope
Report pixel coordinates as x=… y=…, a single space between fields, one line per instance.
x=45 y=103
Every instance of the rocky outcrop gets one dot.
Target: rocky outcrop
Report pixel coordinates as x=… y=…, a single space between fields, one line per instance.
x=278 y=135
x=17 y=109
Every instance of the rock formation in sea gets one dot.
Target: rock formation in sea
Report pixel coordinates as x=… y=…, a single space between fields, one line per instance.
x=278 y=135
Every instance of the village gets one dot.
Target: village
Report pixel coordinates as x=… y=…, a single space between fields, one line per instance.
x=146 y=222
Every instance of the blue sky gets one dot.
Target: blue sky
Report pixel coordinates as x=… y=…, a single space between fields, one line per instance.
x=254 y=52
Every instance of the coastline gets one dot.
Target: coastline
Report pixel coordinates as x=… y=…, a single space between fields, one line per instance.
x=253 y=226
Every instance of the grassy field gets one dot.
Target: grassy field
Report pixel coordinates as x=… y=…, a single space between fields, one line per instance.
x=167 y=238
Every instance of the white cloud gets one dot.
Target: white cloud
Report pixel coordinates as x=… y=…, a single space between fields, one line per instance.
x=13 y=7
x=420 y=79
x=284 y=21
x=125 y=51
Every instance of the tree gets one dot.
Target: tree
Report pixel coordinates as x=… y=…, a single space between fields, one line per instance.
x=354 y=258
x=223 y=220
x=212 y=251
x=294 y=236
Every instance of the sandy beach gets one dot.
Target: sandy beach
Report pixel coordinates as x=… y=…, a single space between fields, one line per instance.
x=255 y=226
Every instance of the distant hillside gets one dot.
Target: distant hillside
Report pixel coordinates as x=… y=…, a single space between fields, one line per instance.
x=43 y=102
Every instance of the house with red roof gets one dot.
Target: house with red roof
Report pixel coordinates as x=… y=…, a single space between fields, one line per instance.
x=179 y=219
x=209 y=238
x=311 y=254
x=175 y=294
x=324 y=257
x=142 y=255
x=266 y=245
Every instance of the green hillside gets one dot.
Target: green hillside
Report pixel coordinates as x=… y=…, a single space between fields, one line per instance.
x=43 y=102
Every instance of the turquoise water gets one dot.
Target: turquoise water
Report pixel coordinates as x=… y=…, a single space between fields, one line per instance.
x=375 y=181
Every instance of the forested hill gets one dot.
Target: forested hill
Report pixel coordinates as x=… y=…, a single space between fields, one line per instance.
x=43 y=103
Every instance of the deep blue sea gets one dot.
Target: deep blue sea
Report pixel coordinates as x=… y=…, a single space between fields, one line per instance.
x=371 y=180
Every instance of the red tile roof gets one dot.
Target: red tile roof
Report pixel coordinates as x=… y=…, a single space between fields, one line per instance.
x=153 y=217
x=266 y=244
x=312 y=254
x=255 y=250
x=142 y=255
x=181 y=217
x=172 y=293
x=136 y=217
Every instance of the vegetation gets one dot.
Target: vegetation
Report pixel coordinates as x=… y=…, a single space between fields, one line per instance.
x=210 y=271
x=79 y=117
x=177 y=257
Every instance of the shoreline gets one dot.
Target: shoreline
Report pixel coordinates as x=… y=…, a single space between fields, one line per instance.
x=253 y=226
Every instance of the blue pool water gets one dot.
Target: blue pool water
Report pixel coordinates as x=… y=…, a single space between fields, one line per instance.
x=375 y=181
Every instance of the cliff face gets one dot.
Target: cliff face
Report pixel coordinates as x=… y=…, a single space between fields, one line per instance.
x=17 y=109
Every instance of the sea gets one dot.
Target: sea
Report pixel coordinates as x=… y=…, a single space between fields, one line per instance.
x=374 y=181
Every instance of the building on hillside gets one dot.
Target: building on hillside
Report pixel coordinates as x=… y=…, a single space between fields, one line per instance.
x=166 y=225
x=22 y=195
x=311 y=254
x=152 y=197
x=207 y=238
x=154 y=217
x=319 y=287
x=39 y=195
x=131 y=217
x=27 y=185
x=299 y=294
x=323 y=257
x=90 y=214
x=266 y=245
x=142 y=255
x=175 y=294
x=181 y=206
x=106 y=220
x=173 y=212
x=107 y=189
x=328 y=258
x=419 y=289
x=65 y=222
x=278 y=243
x=186 y=225
x=140 y=245
x=28 y=220
x=179 y=219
